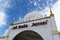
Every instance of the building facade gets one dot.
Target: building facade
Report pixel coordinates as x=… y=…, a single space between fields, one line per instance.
x=34 y=27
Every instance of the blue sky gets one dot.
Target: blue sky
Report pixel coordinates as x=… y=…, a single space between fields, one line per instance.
x=17 y=9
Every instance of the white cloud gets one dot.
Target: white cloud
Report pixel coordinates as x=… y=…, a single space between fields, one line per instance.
x=4 y=4
x=6 y=32
x=2 y=18
x=30 y=1
x=39 y=0
x=35 y=3
x=20 y=19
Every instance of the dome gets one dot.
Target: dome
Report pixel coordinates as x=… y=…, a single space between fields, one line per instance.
x=33 y=15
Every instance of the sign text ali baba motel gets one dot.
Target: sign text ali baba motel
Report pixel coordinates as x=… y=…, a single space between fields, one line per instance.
x=33 y=24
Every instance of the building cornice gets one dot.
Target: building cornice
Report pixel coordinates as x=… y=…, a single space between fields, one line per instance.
x=33 y=20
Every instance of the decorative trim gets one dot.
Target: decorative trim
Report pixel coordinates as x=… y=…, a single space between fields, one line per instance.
x=4 y=36
x=51 y=14
x=55 y=32
x=34 y=20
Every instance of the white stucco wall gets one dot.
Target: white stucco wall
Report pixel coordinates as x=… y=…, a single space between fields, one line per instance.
x=44 y=30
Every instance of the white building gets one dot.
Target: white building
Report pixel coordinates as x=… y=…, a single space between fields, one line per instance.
x=34 y=26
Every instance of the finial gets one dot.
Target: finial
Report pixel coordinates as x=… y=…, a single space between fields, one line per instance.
x=51 y=13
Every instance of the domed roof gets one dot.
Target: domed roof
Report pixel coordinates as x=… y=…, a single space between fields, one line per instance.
x=33 y=15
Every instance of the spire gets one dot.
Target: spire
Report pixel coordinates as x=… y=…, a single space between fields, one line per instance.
x=51 y=13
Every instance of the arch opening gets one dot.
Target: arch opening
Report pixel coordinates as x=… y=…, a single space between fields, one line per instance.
x=28 y=35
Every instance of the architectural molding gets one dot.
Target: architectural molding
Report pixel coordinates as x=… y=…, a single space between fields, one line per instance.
x=4 y=36
x=55 y=32
x=34 y=20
